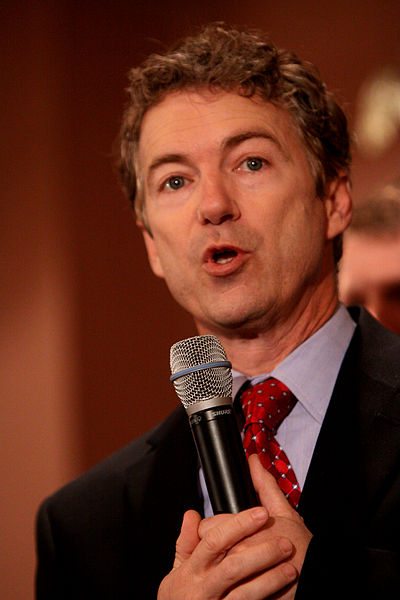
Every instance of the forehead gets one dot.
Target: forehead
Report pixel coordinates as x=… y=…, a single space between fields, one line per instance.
x=189 y=120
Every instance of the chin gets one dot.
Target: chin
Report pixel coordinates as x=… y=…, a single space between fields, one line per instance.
x=246 y=321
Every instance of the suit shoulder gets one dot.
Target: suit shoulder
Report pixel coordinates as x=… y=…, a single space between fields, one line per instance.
x=103 y=483
x=379 y=349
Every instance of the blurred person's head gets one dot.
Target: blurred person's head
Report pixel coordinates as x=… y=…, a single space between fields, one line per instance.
x=370 y=268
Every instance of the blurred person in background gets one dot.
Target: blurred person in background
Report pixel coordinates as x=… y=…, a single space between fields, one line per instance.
x=370 y=267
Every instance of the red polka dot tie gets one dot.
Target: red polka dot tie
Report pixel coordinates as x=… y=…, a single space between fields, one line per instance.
x=265 y=405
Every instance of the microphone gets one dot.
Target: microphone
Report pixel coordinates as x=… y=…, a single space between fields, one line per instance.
x=202 y=378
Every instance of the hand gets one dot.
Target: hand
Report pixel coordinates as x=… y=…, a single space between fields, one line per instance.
x=283 y=521
x=206 y=568
x=255 y=554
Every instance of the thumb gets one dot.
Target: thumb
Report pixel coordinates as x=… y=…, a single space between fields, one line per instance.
x=188 y=537
x=268 y=490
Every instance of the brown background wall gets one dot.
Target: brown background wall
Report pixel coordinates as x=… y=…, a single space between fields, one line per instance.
x=84 y=324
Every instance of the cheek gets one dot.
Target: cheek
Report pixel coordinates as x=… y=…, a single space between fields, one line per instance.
x=303 y=243
x=171 y=255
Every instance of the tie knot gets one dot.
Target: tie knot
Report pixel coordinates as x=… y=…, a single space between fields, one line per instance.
x=267 y=403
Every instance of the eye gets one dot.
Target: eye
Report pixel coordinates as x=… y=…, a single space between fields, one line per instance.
x=175 y=183
x=254 y=163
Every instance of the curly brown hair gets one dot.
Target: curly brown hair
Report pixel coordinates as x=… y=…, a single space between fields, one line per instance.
x=221 y=57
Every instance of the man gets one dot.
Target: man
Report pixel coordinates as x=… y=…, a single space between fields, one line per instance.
x=370 y=268
x=236 y=158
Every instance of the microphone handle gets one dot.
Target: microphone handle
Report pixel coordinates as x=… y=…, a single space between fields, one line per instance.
x=222 y=457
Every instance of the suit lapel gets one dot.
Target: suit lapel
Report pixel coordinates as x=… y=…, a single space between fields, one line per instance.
x=174 y=478
x=161 y=487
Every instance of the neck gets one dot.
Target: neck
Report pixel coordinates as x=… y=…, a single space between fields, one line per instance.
x=254 y=351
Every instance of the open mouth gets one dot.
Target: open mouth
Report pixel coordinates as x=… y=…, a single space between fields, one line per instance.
x=222 y=257
x=220 y=261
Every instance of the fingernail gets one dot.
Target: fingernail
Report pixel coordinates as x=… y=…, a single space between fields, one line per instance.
x=285 y=545
x=259 y=513
x=290 y=571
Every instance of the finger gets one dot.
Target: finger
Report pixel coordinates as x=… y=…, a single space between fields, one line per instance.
x=266 y=584
x=210 y=522
x=223 y=536
x=188 y=538
x=237 y=567
x=254 y=560
x=269 y=492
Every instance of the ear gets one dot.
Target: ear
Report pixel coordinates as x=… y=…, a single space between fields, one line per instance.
x=152 y=253
x=338 y=206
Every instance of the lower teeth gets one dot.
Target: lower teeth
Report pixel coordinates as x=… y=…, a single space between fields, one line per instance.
x=223 y=261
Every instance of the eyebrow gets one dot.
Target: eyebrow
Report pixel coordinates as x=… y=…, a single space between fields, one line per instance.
x=166 y=159
x=235 y=140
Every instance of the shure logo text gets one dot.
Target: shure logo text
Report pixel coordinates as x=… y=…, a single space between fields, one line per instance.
x=226 y=411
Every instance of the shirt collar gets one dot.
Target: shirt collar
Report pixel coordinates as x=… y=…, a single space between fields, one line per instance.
x=310 y=370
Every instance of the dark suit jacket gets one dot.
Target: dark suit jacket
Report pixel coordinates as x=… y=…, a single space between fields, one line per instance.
x=111 y=533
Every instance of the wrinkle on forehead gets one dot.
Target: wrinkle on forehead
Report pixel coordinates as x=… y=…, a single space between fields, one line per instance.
x=187 y=117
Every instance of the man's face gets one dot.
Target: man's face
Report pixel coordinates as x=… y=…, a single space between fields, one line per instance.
x=238 y=233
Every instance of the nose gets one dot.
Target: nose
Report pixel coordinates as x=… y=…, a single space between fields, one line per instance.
x=216 y=203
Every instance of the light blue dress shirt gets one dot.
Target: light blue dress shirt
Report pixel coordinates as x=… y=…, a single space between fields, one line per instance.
x=310 y=372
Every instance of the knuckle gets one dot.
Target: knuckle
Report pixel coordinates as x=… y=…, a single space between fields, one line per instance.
x=243 y=518
x=240 y=593
x=243 y=522
x=231 y=567
x=213 y=540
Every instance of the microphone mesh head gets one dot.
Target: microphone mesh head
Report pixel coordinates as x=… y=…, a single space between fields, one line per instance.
x=208 y=383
